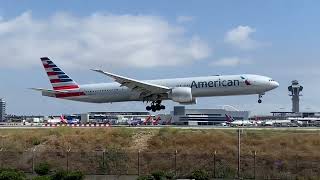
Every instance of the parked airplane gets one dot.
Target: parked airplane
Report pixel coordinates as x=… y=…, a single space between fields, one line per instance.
x=71 y=120
x=232 y=122
x=280 y=122
x=151 y=121
x=135 y=122
x=60 y=120
x=181 y=90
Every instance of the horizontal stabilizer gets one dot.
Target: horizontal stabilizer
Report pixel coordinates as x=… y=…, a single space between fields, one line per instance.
x=49 y=90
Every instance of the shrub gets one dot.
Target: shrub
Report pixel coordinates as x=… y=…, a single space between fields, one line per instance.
x=42 y=178
x=148 y=177
x=200 y=175
x=76 y=175
x=170 y=175
x=158 y=175
x=11 y=175
x=59 y=175
x=35 y=141
x=64 y=175
x=42 y=169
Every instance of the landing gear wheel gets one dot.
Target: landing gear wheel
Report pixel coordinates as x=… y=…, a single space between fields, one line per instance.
x=148 y=108
x=259 y=98
x=153 y=108
x=158 y=107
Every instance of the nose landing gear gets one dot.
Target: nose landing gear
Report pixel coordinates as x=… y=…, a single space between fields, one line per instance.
x=155 y=106
x=259 y=100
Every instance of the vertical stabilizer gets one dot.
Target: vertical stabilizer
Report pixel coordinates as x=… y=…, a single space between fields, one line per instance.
x=58 y=79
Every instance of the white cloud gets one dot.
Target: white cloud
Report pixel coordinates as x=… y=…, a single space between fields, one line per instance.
x=102 y=40
x=231 y=61
x=184 y=19
x=240 y=37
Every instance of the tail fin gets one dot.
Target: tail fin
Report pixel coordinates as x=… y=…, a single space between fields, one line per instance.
x=63 y=120
x=58 y=79
x=229 y=118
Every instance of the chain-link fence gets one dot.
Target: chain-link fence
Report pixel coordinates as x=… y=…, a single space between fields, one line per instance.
x=218 y=165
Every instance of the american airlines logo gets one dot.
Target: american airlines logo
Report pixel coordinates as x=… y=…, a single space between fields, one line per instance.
x=219 y=83
x=245 y=81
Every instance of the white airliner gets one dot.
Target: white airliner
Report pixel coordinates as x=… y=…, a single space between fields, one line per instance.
x=235 y=123
x=181 y=90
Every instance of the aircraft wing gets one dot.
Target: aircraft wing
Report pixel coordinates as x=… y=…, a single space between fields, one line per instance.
x=136 y=85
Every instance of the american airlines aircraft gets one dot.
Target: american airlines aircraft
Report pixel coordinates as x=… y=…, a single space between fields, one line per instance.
x=182 y=90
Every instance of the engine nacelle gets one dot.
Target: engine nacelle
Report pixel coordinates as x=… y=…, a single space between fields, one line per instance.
x=182 y=95
x=194 y=101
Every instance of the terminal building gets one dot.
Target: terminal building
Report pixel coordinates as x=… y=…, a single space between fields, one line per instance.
x=183 y=116
x=2 y=110
x=111 y=117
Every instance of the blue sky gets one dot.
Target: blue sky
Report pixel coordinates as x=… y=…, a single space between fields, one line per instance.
x=167 y=39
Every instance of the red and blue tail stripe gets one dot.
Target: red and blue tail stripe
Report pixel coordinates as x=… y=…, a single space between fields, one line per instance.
x=58 y=79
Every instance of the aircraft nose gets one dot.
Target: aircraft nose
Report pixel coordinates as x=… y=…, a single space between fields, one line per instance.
x=274 y=84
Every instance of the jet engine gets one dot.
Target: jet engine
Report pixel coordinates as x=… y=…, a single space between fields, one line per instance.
x=194 y=101
x=182 y=95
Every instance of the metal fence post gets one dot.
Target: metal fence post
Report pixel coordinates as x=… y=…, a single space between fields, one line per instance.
x=296 y=166
x=1 y=159
x=103 y=158
x=139 y=163
x=239 y=153
x=68 y=150
x=214 y=164
x=254 y=164
x=2 y=150
x=33 y=159
x=175 y=162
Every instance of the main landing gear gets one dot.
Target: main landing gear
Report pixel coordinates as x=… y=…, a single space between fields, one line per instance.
x=155 y=106
x=259 y=100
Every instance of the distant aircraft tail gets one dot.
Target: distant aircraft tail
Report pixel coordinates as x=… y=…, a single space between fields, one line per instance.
x=63 y=120
x=156 y=121
x=229 y=118
x=148 y=119
x=58 y=79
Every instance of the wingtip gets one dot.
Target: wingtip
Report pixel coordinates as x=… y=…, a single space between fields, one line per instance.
x=97 y=70
x=35 y=89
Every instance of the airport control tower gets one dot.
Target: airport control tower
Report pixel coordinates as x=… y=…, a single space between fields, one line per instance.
x=295 y=90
